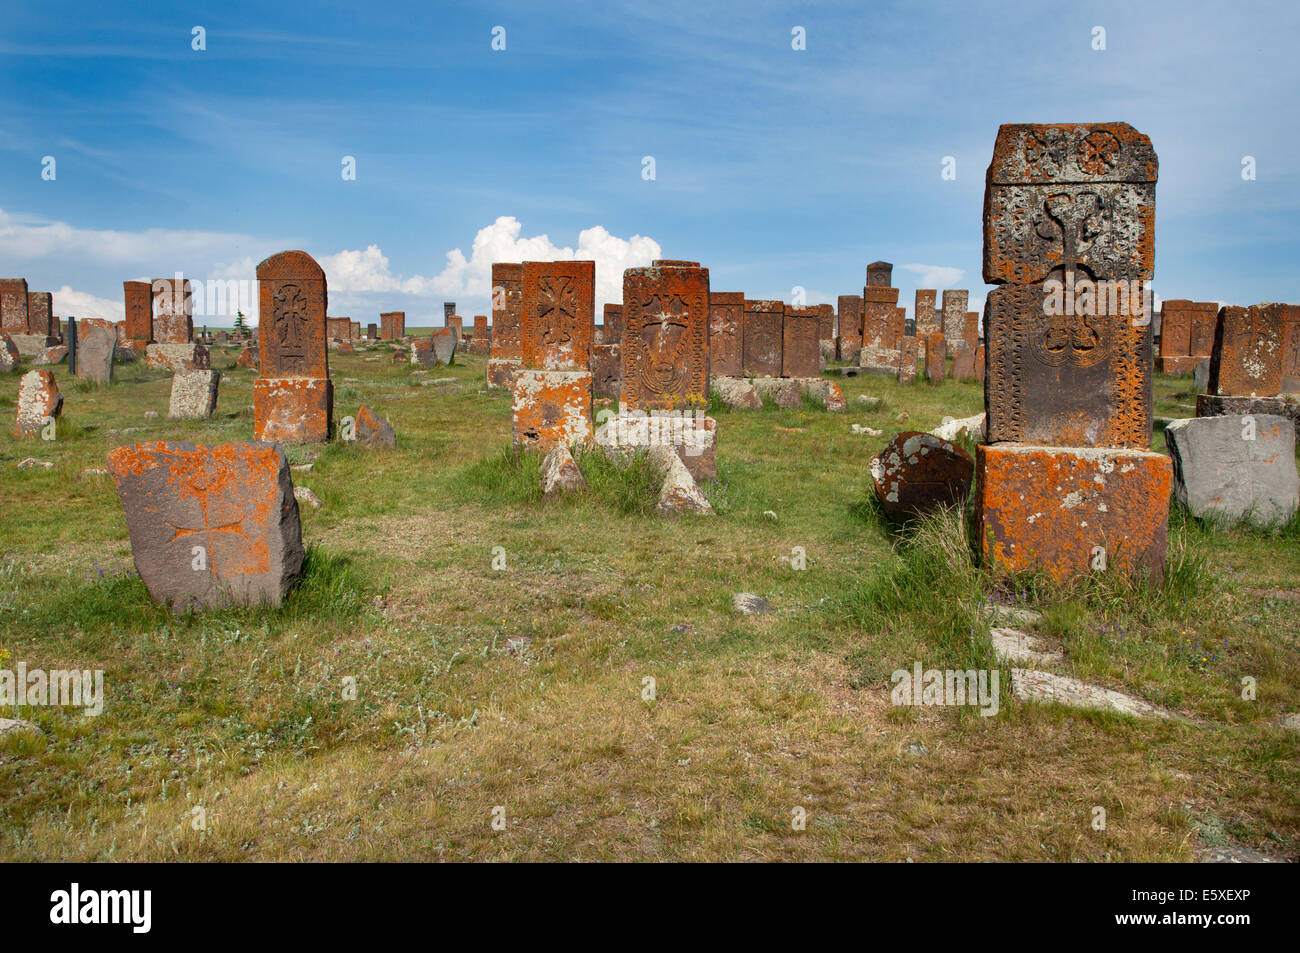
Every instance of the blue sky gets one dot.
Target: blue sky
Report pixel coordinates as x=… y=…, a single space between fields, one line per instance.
x=775 y=168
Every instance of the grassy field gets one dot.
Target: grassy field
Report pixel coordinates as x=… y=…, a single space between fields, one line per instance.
x=519 y=694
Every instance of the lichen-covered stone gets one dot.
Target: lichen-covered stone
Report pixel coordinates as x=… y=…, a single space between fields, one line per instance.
x=194 y=395
x=560 y=473
x=38 y=400
x=916 y=472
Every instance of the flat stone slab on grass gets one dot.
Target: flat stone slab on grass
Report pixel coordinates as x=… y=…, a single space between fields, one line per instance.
x=1017 y=646
x=210 y=526
x=373 y=430
x=1032 y=685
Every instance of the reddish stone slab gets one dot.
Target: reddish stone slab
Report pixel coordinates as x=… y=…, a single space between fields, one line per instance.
x=762 y=333
x=550 y=408
x=372 y=331
x=879 y=274
x=971 y=330
x=139 y=310
x=293 y=409
x=39 y=400
x=291 y=334
x=981 y=360
x=850 y=334
x=880 y=318
x=338 y=329
x=909 y=358
x=936 y=356
x=916 y=472
x=955 y=301
x=40 y=314
x=726 y=314
x=1062 y=510
x=1291 y=349
x=607 y=370
x=963 y=364
x=13 y=305
x=923 y=312
x=826 y=322
x=173 y=311
x=801 y=343
x=392 y=325
x=613 y=323
x=665 y=348
x=1204 y=325
x=558 y=317
x=1065 y=380
x=1247 y=358
x=210 y=526
x=1069 y=197
x=1175 y=329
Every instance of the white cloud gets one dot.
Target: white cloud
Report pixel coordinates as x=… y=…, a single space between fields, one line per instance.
x=80 y=304
x=936 y=276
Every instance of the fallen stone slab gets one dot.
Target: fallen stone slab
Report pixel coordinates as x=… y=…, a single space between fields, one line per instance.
x=1232 y=468
x=9 y=356
x=678 y=492
x=371 y=430
x=31 y=463
x=827 y=393
x=970 y=427
x=560 y=473
x=738 y=393
x=1010 y=615
x=51 y=355
x=747 y=603
x=174 y=357
x=919 y=471
x=783 y=391
x=1032 y=685
x=1017 y=646
x=210 y=526
x=17 y=726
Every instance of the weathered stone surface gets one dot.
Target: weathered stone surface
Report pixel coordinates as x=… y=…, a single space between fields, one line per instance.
x=923 y=312
x=826 y=327
x=422 y=352
x=1291 y=349
x=879 y=274
x=918 y=471
x=30 y=345
x=1065 y=510
x=678 y=492
x=445 y=342
x=558 y=317
x=910 y=354
x=1284 y=405
x=9 y=356
x=1069 y=197
x=481 y=343
x=13 y=305
x=1247 y=358
x=971 y=330
x=782 y=391
x=936 y=356
x=827 y=393
x=293 y=398
x=665 y=348
x=761 y=337
x=881 y=327
x=880 y=360
x=372 y=331
x=981 y=363
x=607 y=370
x=70 y=336
x=247 y=358
x=971 y=428
x=726 y=310
x=38 y=400
x=1065 y=380
x=560 y=473
x=51 y=355
x=1030 y=685
x=501 y=371
x=850 y=336
x=955 y=301
x=963 y=364
x=210 y=526
x=173 y=311
x=40 y=316
x=550 y=407
x=293 y=409
x=96 y=342
x=194 y=395
x=1204 y=326
x=1235 y=468
x=1016 y=646
x=371 y=430
x=338 y=329
x=612 y=319
x=1175 y=356
x=177 y=358
x=392 y=325
x=691 y=435
x=800 y=347
x=738 y=393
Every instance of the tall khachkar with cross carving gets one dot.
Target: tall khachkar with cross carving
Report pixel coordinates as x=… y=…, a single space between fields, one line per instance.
x=551 y=392
x=1068 y=482
x=665 y=345
x=293 y=399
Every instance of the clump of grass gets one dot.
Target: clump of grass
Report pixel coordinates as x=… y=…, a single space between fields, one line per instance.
x=511 y=475
x=630 y=485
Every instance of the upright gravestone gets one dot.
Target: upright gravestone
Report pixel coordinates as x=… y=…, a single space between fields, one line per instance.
x=39 y=402
x=1291 y=350
x=881 y=334
x=293 y=399
x=926 y=322
x=40 y=317
x=13 y=305
x=726 y=311
x=665 y=336
x=762 y=332
x=173 y=346
x=800 y=343
x=1068 y=482
x=1176 y=337
x=954 y=317
x=849 y=341
x=880 y=274
x=1247 y=358
x=96 y=340
x=338 y=330
x=393 y=325
x=613 y=323
x=372 y=331
x=138 y=296
x=507 y=304
x=480 y=343
x=71 y=337
x=551 y=392
x=936 y=356
x=1204 y=322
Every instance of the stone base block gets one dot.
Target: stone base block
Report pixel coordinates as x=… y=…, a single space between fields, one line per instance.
x=1233 y=468
x=30 y=345
x=177 y=357
x=550 y=407
x=501 y=371
x=1071 y=511
x=1284 y=405
x=783 y=391
x=694 y=439
x=293 y=409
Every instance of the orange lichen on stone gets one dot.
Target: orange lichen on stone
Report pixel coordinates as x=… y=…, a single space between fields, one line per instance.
x=551 y=407
x=292 y=409
x=1070 y=511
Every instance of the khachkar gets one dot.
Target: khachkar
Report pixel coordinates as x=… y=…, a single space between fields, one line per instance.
x=551 y=391
x=507 y=301
x=293 y=399
x=1067 y=481
x=665 y=360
